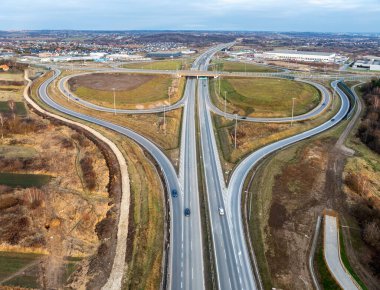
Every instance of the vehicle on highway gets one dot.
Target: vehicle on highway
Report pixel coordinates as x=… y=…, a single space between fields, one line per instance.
x=221 y=211
x=244 y=117
x=76 y=99
x=333 y=119
x=174 y=193
x=187 y=212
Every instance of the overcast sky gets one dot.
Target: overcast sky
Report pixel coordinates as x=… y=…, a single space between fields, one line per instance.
x=274 y=15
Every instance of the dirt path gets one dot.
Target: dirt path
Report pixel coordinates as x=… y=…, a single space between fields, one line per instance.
x=115 y=279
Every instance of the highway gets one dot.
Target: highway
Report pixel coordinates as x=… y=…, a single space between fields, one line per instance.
x=191 y=268
x=232 y=271
x=331 y=251
x=232 y=259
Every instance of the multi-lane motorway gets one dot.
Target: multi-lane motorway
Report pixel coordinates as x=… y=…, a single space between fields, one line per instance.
x=233 y=266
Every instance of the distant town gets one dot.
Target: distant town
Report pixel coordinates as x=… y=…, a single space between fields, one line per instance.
x=352 y=51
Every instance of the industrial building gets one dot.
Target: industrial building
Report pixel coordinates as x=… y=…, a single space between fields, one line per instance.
x=368 y=63
x=304 y=56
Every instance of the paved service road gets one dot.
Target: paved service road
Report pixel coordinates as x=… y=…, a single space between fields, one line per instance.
x=331 y=252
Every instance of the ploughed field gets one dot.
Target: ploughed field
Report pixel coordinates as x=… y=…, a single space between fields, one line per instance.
x=132 y=91
x=265 y=97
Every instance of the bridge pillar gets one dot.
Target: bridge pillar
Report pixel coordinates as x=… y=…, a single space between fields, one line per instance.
x=197 y=77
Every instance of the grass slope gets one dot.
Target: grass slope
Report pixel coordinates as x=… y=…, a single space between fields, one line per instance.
x=268 y=97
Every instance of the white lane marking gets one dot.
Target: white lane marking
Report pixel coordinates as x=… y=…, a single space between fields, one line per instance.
x=181 y=274
x=192 y=273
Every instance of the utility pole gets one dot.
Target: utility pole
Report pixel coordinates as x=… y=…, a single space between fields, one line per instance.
x=164 y=119
x=225 y=103
x=235 y=128
x=219 y=82
x=114 y=100
x=291 y=123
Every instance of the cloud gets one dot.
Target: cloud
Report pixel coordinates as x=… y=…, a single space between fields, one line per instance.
x=347 y=15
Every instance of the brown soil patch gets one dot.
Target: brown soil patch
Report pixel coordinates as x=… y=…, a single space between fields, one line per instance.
x=108 y=81
x=298 y=197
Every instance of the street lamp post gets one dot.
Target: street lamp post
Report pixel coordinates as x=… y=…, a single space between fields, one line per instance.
x=235 y=128
x=164 y=119
x=225 y=104
x=114 y=100
x=291 y=123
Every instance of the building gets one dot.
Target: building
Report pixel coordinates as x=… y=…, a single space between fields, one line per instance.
x=368 y=63
x=304 y=56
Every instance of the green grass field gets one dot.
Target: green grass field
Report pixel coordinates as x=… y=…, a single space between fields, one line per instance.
x=157 y=65
x=235 y=66
x=155 y=90
x=267 y=97
x=20 y=108
x=24 y=180
x=11 y=262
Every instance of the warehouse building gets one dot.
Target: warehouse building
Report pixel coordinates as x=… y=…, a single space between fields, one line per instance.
x=368 y=63
x=304 y=56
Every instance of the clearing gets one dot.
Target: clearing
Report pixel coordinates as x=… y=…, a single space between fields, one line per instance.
x=264 y=97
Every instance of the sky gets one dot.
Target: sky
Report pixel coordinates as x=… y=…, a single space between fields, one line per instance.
x=250 y=15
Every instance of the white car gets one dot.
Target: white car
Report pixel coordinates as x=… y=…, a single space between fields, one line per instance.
x=221 y=211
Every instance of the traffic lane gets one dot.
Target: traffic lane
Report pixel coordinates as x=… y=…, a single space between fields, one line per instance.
x=227 y=270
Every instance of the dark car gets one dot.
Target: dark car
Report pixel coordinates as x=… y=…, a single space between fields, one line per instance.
x=244 y=118
x=332 y=120
x=174 y=193
x=187 y=212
